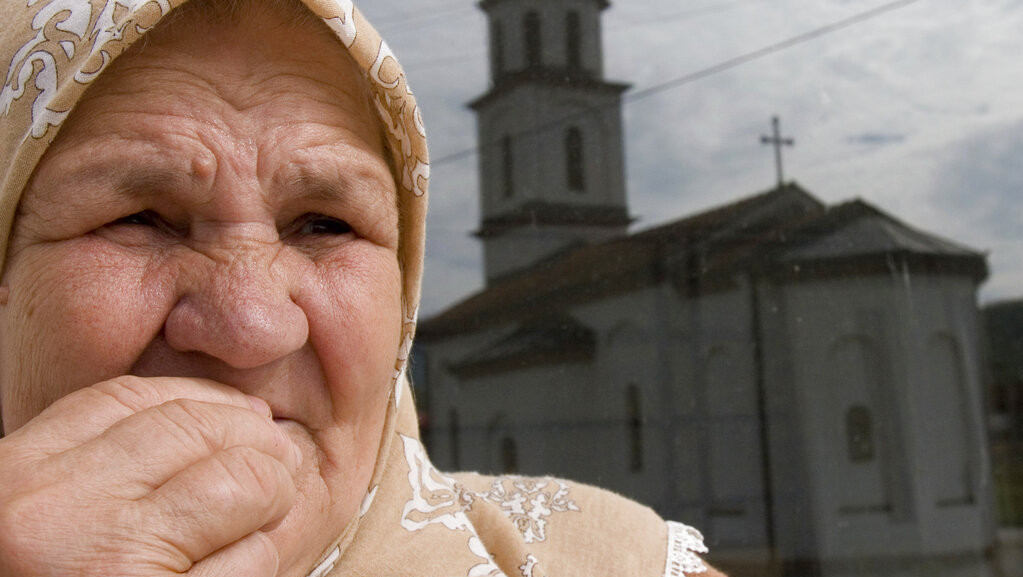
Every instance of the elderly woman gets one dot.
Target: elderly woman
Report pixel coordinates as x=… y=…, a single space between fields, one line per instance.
x=213 y=253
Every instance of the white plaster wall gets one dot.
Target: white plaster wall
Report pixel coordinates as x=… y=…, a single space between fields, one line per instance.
x=821 y=314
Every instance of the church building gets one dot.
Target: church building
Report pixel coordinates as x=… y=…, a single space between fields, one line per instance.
x=801 y=381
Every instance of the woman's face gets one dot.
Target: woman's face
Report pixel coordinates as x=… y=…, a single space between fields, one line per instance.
x=218 y=206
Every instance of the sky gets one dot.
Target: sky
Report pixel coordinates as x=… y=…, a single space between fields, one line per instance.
x=918 y=111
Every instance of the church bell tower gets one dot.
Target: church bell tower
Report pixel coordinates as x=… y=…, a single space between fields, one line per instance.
x=552 y=174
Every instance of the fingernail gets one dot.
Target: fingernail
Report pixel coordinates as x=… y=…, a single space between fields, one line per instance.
x=260 y=406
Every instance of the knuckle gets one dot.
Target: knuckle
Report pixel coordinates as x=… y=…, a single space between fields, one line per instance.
x=131 y=392
x=263 y=550
x=190 y=424
x=252 y=476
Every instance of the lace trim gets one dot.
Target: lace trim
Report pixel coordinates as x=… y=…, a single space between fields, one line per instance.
x=684 y=543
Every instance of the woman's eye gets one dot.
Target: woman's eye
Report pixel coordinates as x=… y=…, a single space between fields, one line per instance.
x=142 y=218
x=319 y=224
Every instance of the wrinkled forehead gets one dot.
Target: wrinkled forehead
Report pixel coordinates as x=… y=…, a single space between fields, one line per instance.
x=58 y=49
x=280 y=64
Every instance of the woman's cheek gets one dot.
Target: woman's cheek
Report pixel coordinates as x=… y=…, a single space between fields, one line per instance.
x=355 y=318
x=87 y=311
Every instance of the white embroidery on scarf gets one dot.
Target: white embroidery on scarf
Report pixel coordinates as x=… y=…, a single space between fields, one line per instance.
x=400 y=376
x=344 y=26
x=376 y=70
x=367 y=501
x=529 y=502
x=437 y=500
x=528 y=566
x=72 y=17
x=328 y=563
x=108 y=30
x=684 y=543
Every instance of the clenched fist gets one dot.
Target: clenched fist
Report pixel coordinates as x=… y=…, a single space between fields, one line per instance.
x=145 y=477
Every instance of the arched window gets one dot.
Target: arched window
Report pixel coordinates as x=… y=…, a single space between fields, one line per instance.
x=574 y=161
x=496 y=49
x=859 y=433
x=635 y=418
x=507 y=167
x=573 y=39
x=453 y=439
x=509 y=455
x=531 y=29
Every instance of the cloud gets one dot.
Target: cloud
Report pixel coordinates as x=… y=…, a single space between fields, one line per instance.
x=875 y=139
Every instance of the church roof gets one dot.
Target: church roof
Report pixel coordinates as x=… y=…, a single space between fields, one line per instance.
x=784 y=233
x=859 y=228
x=558 y=340
x=538 y=213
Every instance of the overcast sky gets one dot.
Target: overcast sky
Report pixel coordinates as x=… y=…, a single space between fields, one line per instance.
x=918 y=111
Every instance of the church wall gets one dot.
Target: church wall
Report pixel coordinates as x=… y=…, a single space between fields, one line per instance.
x=705 y=423
x=717 y=329
x=445 y=394
x=795 y=534
x=954 y=497
x=865 y=385
x=628 y=327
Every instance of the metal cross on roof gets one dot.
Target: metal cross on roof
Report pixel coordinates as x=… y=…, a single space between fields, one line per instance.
x=777 y=141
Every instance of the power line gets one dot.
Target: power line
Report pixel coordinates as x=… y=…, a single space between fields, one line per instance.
x=679 y=15
x=700 y=74
x=618 y=29
x=768 y=50
x=398 y=21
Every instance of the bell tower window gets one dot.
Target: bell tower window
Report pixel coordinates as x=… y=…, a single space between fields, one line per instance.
x=509 y=456
x=574 y=160
x=496 y=49
x=531 y=29
x=635 y=418
x=573 y=36
x=859 y=432
x=507 y=167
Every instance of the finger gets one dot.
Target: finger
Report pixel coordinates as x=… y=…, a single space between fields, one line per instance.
x=86 y=413
x=143 y=451
x=218 y=501
x=254 y=555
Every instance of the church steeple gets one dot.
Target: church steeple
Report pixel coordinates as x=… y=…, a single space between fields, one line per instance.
x=552 y=173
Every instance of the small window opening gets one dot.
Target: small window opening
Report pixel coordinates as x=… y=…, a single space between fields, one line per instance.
x=573 y=39
x=531 y=27
x=859 y=430
x=574 y=160
x=496 y=49
x=509 y=455
x=453 y=430
x=635 y=416
x=507 y=167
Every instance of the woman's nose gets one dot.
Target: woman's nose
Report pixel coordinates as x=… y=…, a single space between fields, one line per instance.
x=236 y=305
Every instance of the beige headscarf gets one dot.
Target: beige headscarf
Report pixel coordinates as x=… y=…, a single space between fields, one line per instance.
x=414 y=520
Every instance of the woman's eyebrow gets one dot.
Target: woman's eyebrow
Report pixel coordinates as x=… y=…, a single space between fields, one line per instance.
x=332 y=186
x=318 y=187
x=151 y=182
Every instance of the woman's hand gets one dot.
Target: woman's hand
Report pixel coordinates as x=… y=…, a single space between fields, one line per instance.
x=145 y=477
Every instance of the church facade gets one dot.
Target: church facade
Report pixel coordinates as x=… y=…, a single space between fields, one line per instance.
x=802 y=381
